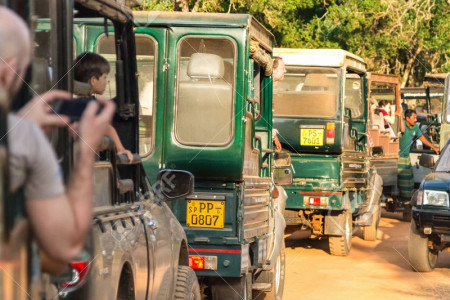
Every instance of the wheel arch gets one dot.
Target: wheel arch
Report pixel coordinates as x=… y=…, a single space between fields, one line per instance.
x=125 y=280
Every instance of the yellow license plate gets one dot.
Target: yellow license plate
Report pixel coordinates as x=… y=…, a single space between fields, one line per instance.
x=311 y=137
x=204 y=213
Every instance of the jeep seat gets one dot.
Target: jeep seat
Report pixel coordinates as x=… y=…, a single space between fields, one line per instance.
x=205 y=102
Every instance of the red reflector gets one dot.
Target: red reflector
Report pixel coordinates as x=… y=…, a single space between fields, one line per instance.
x=197 y=262
x=330 y=133
x=80 y=269
x=314 y=200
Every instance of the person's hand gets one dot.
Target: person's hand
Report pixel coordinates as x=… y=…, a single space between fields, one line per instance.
x=435 y=149
x=39 y=110
x=128 y=153
x=93 y=126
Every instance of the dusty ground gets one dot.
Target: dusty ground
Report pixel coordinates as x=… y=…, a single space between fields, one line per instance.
x=373 y=270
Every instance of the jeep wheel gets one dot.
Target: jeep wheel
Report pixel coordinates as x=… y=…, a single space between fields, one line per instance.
x=276 y=291
x=187 y=285
x=341 y=245
x=232 y=288
x=407 y=214
x=370 y=232
x=421 y=257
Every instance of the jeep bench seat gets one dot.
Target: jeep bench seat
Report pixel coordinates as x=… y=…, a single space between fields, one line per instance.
x=205 y=102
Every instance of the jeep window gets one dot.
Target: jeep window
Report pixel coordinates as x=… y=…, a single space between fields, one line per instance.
x=443 y=164
x=205 y=91
x=146 y=56
x=306 y=92
x=353 y=95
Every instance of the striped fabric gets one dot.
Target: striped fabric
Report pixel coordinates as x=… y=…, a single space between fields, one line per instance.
x=405 y=179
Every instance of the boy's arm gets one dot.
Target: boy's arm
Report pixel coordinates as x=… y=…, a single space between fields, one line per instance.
x=112 y=133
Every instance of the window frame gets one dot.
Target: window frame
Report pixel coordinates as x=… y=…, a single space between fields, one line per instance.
x=155 y=78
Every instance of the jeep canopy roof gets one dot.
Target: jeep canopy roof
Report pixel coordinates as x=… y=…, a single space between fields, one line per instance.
x=321 y=57
x=182 y=19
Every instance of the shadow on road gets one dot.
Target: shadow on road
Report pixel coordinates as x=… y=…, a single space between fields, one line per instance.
x=296 y=238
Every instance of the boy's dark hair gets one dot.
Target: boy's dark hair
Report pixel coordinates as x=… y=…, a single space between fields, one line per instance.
x=409 y=113
x=89 y=64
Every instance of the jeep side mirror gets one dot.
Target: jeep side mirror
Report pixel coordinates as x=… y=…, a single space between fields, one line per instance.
x=282 y=159
x=174 y=184
x=282 y=175
x=426 y=161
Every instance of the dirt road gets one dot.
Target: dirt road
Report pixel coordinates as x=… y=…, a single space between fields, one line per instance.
x=373 y=270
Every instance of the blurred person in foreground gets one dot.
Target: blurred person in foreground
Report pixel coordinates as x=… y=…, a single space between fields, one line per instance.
x=60 y=216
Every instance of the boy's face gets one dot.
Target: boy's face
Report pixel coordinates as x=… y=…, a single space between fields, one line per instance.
x=98 y=84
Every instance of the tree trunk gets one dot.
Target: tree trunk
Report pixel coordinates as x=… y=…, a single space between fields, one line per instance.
x=409 y=65
x=181 y=5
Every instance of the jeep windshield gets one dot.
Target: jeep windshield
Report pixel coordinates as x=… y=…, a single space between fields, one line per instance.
x=306 y=92
x=443 y=164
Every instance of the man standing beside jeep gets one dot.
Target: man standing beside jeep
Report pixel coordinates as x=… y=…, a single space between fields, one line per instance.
x=410 y=133
x=60 y=218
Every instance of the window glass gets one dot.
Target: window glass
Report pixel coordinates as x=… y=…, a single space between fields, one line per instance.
x=444 y=161
x=205 y=85
x=354 y=95
x=306 y=92
x=146 y=57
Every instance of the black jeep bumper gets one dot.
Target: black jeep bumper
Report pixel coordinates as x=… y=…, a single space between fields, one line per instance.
x=438 y=220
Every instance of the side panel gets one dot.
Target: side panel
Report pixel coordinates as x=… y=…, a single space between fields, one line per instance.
x=314 y=176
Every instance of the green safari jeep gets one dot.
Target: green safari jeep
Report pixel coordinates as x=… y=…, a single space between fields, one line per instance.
x=321 y=114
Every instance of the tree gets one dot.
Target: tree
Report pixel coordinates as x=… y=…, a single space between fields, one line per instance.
x=404 y=37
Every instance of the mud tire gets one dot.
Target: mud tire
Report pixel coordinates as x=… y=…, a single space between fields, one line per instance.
x=421 y=257
x=278 y=275
x=341 y=245
x=187 y=284
x=370 y=232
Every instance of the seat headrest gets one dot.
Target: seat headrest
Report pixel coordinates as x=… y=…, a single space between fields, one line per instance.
x=205 y=65
x=315 y=81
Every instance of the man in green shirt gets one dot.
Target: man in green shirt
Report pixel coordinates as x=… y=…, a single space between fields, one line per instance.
x=410 y=133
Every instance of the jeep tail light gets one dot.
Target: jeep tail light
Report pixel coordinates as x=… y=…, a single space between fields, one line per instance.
x=79 y=272
x=330 y=133
x=316 y=201
x=197 y=262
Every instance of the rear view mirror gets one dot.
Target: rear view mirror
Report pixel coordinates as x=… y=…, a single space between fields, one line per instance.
x=282 y=175
x=282 y=159
x=426 y=161
x=174 y=184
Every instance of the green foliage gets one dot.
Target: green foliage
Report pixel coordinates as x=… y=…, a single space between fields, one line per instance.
x=404 y=37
